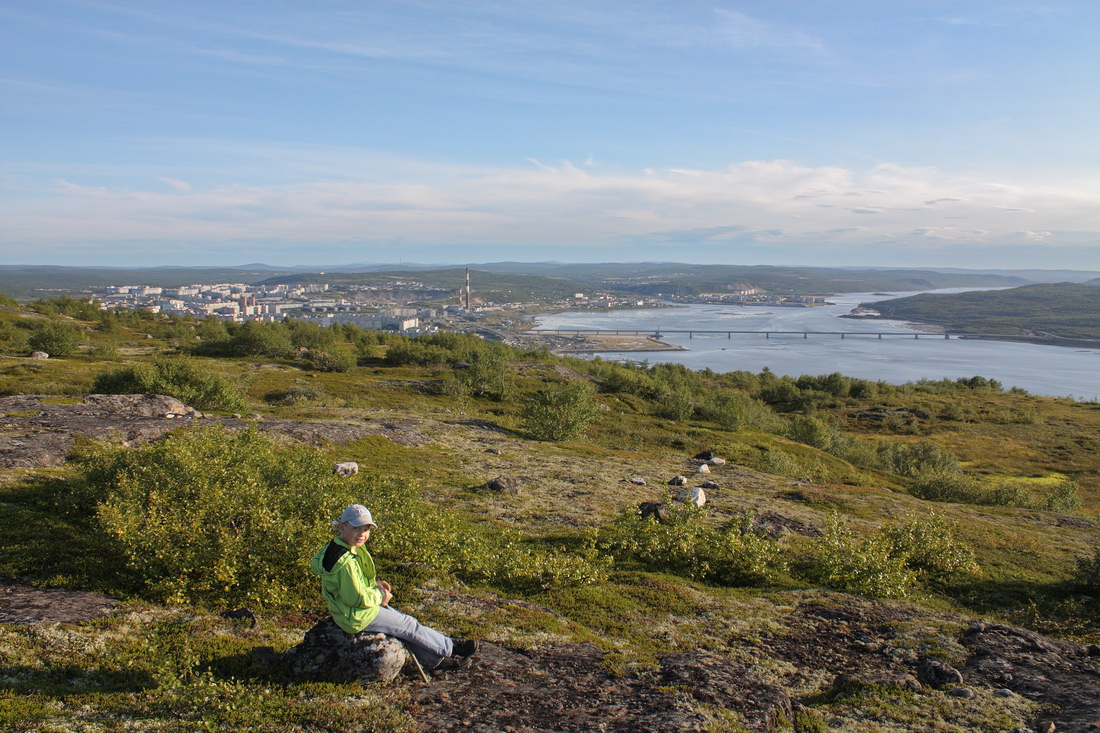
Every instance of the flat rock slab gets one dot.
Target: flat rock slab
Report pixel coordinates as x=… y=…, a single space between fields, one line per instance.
x=36 y=432
x=21 y=603
x=563 y=688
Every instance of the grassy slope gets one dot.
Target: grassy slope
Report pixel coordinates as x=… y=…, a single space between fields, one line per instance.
x=132 y=665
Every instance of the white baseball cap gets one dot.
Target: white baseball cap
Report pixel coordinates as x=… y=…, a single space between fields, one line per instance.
x=356 y=515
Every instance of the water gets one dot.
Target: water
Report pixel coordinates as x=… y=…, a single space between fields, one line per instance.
x=1055 y=371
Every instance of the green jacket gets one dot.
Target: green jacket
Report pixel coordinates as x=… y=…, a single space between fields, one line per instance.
x=348 y=584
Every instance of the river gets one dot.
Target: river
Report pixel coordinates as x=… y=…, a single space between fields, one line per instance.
x=1054 y=371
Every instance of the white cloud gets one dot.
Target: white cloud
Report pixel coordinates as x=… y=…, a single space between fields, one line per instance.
x=542 y=205
x=176 y=184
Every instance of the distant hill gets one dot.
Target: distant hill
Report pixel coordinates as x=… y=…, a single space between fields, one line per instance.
x=31 y=282
x=1065 y=310
x=27 y=282
x=484 y=285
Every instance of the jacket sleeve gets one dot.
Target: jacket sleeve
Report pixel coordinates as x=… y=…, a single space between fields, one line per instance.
x=353 y=590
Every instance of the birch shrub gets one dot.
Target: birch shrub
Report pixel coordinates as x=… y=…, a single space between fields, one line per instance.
x=218 y=519
x=683 y=544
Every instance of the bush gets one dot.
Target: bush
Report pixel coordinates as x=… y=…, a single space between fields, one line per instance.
x=1088 y=571
x=955 y=486
x=735 y=410
x=929 y=547
x=214 y=518
x=336 y=360
x=887 y=563
x=561 y=413
x=684 y=545
x=176 y=377
x=920 y=459
x=56 y=339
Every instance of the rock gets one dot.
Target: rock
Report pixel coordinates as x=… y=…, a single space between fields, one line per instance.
x=236 y=416
x=694 y=496
x=709 y=485
x=637 y=480
x=346 y=468
x=503 y=484
x=494 y=451
x=247 y=613
x=937 y=674
x=704 y=456
x=255 y=416
x=1092 y=650
x=1003 y=692
x=678 y=481
x=39 y=355
x=716 y=461
x=655 y=509
x=882 y=679
x=703 y=469
x=963 y=692
x=328 y=654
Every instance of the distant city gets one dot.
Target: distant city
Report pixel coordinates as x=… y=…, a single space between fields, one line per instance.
x=407 y=306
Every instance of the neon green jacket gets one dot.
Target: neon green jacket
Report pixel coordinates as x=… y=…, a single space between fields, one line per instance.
x=348 y=584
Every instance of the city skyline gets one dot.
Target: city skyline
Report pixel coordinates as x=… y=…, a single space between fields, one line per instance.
x=919 y=134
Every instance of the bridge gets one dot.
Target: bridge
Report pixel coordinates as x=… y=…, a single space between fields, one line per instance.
x=658 y=333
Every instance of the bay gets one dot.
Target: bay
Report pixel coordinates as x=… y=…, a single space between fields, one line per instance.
x=1053 y=371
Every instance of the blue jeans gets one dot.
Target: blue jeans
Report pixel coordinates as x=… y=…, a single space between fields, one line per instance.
x=428 y=645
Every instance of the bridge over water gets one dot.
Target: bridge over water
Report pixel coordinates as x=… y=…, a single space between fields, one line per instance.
x=658 y=333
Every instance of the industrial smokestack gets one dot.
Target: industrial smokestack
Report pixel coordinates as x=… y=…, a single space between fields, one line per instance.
x=467 y=288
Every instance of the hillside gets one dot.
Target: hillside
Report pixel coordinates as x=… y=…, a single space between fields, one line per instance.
x=1063 y=310
x=856 y=536
x=507 y=288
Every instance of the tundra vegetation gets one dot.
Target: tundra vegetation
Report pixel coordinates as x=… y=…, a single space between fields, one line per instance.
x=952 y=497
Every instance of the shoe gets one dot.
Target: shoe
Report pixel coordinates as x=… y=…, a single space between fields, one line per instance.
x=452 y=664
x=465 y=647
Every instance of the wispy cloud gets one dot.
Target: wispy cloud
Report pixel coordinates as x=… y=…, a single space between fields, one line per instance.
x=543 y=204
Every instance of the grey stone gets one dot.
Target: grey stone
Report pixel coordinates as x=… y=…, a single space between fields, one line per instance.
x=938 y=674
x=703 y=469
x=716 y=461
x=327 y=653
x=694 y=496
x=709 y=485
x=1003 y=692
x=655 y=509
x=503 y=484
x=963 y=692
x=39 y=355
x=637 y=480
x=678 y=481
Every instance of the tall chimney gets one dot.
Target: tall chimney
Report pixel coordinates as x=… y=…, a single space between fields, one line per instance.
x=467 y=288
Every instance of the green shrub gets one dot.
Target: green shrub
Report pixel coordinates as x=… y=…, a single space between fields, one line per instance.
x=736 y=410
x=104 y=352
x=56 y=339
x=335 y=360
x=13 y=339
x=563 y=412
x=952 y=486
x=486 y=375
x=683 y=544
x=214 y=518
x=888 y=562
x=1088 y=571
x=919 y=459
x=815 y=432
x=928 y=545
x=176 y=377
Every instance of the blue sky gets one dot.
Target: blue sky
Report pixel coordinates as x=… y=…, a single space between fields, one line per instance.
x=814 y=132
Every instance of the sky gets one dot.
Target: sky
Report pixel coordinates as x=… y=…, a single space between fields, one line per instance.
x=910 y=133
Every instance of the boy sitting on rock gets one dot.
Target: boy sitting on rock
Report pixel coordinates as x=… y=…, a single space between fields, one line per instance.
x=358 y=601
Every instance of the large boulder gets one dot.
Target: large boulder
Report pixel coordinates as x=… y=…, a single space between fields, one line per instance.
x=694 y=496
x=655 y=509
x=328 y=654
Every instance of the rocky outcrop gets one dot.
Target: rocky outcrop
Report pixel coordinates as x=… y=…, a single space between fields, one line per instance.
x=38 y=430
x=329 y=654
